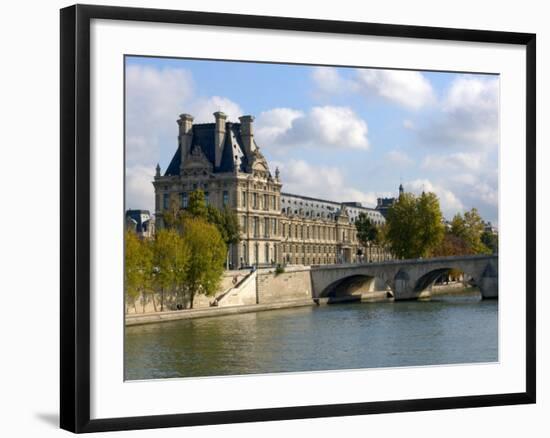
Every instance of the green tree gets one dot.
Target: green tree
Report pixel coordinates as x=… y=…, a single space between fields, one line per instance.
x=414 y=225
x=470 y=227
x=197 y=205
x=402 y=226
x=490 y=240
x=174 y=216
x=430 y=223
x=138 y=268
x=170 y=259
x=207 y=252
x=227 y=222
x=367 y=232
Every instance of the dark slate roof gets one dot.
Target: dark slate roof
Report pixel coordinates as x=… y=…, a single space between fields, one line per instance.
x=135 y=216
x=203 y=137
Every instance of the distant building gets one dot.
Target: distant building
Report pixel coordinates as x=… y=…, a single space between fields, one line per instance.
x=141 y=222
x=490 y=228
x=224 y=161
x=384 y=204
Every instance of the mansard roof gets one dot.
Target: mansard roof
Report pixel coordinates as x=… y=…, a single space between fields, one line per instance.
x=316 y=207
x=204 y=137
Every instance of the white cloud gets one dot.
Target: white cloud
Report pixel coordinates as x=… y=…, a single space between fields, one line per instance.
x=461 y=191
x=470 y=176
x=204 y=108
x=470 y=161
x=399 y=158
x=409 y=89
x=469 y=116
x=449 y=202
x=327 y=79
x=408 y=124
x=139 y=188
x=463 y=179
x=273 y=124
x=478 y=190
x=302 y=178
x=322 y=126
x=154 y=99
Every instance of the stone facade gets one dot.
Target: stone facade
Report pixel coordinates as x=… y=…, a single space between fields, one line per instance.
x=224 y=161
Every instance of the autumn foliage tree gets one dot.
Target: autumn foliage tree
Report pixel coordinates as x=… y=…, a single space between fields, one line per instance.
x=138 y=268
x=452 y=245
x=170 y=261
x=186 y=256
x=470 y=228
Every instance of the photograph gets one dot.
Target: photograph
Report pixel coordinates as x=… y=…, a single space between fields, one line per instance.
x=287 y=218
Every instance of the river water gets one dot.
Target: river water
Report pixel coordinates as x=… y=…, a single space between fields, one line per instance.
x=446 y=330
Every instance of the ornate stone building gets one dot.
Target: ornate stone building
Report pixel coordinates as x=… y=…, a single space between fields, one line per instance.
x=141 y=222
x=224 y=161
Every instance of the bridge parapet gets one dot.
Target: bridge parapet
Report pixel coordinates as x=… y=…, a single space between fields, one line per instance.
x=409 y=279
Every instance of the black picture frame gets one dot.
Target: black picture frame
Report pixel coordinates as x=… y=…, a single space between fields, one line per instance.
x=75 y=217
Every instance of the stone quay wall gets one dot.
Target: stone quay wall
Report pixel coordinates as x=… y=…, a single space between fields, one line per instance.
x=294 y=284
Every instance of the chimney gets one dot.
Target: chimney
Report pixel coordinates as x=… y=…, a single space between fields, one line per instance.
x=247 y=134
x=185 y=136
x=219 y=136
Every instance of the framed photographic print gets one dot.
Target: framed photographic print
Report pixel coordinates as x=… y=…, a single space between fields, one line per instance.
x=268 y=218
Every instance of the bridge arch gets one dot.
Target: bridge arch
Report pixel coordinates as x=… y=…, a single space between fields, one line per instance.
x=426 y=281
x=355 y=286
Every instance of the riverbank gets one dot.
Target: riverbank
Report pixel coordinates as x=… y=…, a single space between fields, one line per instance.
x=450 y=289
x=209 y=312
x=152 y=318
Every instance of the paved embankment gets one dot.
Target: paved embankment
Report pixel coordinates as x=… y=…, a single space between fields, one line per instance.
x=151 y=318
x=451 y=289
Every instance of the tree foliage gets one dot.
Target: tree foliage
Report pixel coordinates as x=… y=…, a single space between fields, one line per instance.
x=138 y=267
x=227 y=222
x=470 y=227
x=414 y=225
x=197 y=205
x=207 y=255
x=367 y=232
x=490 y=240
x=430 y=219
x=186 y=257
x=170 y=261
x=452 y=245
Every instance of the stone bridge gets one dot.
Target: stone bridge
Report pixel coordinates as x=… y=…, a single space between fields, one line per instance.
x=407 y=279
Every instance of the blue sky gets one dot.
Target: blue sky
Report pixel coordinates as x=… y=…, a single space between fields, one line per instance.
x=339 y=133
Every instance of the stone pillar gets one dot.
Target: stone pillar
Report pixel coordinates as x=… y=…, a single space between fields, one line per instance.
x=219 y=137
x=488 y=284
x=185 y=123
x=403 y=286
x=247 y=134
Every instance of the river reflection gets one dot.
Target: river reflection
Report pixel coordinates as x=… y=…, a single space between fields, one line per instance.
x=446 y=330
